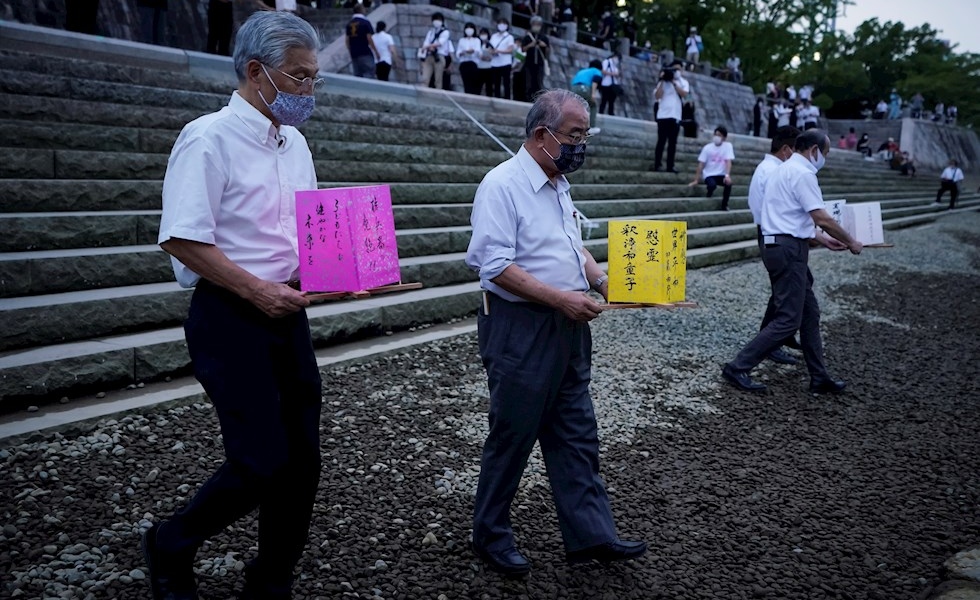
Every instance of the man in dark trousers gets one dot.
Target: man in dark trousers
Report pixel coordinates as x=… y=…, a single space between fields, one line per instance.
x=536 y=344
x=359 y=38
x=949 y=181
x=792 y=209
x=229 y=223
x=669 y=93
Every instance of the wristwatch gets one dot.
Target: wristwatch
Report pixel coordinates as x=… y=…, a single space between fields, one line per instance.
x=601 y=279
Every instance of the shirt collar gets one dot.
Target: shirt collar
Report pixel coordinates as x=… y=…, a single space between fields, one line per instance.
x=259 y=124
x=802 y=160
x=535 y=174
x=773 y=158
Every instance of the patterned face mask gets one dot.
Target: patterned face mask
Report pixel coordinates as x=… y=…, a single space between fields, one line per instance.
x=289 y=109
x=570 y=157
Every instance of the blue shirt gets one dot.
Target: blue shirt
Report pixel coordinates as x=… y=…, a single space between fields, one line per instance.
x=587 y=77
x=358 y=30
x=520 y=218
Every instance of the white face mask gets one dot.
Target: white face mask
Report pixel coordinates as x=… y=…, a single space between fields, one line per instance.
x=469 y=31
x=436 y=24
x=716 y=140
x=483 y=37
x=535 y=29
x=819 y=160
x=502 y=27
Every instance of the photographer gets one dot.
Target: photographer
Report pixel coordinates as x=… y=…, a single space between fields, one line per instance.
x=670 y=91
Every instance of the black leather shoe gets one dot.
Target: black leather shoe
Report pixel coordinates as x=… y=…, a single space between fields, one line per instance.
x=655 y=168
x=674 y=171
x=792 y=343
x=741 y=380
x=781 y=357
x=608 y=552
x=828 y=386
x=508 y=561
x=169 y=579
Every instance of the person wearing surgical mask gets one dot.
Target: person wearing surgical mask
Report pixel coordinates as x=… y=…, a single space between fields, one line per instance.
x=792 y=219
x=432 y=55
x=715 y=164
x=536 y=50
x=229 y=225
x=536 y=344
x=484 y=64
x=502 y=57
x=468 y=50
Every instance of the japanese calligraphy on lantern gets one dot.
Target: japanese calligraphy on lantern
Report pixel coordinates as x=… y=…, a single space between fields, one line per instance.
x=647 y=261
x=863 y=222
x=836 y=210
x=346 y=239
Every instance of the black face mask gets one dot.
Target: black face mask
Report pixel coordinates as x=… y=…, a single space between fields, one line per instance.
x=570 y=158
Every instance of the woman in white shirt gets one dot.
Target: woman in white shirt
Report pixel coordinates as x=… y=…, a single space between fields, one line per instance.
x=611 y=84
x=468 y=51
x=386 y=51
x=502 y=50
x=484 y=70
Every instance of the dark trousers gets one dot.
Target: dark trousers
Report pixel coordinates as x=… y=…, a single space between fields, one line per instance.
x=382 y=71
x=533 y=80
x=153 y=25
x=470 y=75
x=713 y=182
x=261 y=376
x=220 y=25
x=500 y=80
x=795 y=308
x=951 y=187
x=486 y=81
x=667 y=130
x=539 y=364
x=607 y=105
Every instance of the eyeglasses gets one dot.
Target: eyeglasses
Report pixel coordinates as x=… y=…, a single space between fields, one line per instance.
x=576 y=138
x=307 y=83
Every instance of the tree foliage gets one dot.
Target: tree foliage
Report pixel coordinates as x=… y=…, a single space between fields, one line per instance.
x=854 y=69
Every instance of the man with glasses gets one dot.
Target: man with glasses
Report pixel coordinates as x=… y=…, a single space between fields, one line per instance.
x=229 y=223
x=535 y=341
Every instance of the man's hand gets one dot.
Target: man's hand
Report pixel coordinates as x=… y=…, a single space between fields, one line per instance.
x=577 y=306
x=693 y=183
x=831 y=243
x=856 y=247
x=277 y=299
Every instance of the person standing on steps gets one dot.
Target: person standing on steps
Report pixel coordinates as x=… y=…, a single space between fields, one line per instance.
x=792 y=209
x=359 y=40
x=229 y=225
x=535 y=272
x=433 y=53
x=502 y=59
x=387 y=51
x=670 y=92
x=949 y=181
x=536 y=50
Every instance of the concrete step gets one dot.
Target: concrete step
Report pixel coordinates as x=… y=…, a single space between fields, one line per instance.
x=421 y=228
x=72 y=316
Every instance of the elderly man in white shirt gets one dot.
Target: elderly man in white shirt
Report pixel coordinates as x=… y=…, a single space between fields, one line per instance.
x=229 y=223
x=792 y=208
x=536 y=344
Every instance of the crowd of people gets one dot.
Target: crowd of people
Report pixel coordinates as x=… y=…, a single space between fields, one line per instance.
x=895 y=107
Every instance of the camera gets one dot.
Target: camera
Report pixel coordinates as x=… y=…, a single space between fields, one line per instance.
x=668 y=74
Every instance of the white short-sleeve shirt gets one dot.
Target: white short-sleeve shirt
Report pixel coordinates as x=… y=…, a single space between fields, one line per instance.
x=230 y=182
x=791 y=193
x=502 y=41
x=714 y=158
x=670 y=102
x=383 y=42
x=954 y=174
x=757 y=187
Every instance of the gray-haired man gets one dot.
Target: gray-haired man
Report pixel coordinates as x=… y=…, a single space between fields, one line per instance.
x=229 y=223
x=535 y=341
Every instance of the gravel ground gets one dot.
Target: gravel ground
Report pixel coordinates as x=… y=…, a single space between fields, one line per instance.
x=781 y=495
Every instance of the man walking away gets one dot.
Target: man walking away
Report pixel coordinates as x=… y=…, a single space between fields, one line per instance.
x=949 y=181
x=360 y=44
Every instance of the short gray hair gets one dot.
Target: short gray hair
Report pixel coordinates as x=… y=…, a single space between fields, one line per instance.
x=547 y=109
x=537 y=20
x=267 y=35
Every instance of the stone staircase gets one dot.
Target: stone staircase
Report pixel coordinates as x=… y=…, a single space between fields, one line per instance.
x=88 y=300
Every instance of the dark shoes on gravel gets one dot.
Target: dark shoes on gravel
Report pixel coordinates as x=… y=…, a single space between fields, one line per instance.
x=171 y=578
